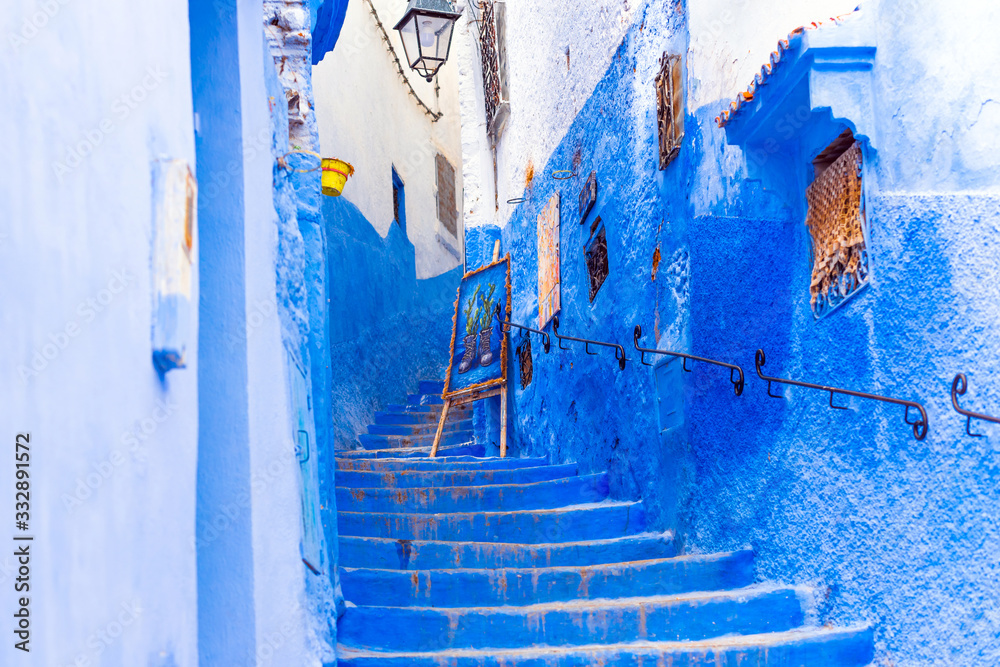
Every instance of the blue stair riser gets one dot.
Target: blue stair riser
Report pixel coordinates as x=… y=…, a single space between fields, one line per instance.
x=492 y=498
x=419 y=429
x=431 y=387
x=439 y=478
x=424 y=399
x=421 y=417
x=467 y=449
x=453 y=463
x=530 y=527
x=390 y=554
x=683 y=618
x=814 y=648
x=468 y=588
x=400 y=442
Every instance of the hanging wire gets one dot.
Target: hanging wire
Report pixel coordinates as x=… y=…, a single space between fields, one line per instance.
x=434 y=115
x=283 y=163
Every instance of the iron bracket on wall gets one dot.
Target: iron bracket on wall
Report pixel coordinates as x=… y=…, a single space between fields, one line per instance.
x=958 y=387
x=733 y=368
x=919 y=426
x=619 y=350
x=505 y=326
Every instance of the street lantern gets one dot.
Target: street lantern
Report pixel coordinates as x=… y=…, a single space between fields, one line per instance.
x=426 y=29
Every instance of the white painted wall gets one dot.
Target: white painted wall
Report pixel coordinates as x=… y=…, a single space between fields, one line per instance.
x=367 y=117
x=545 y=93
x=114 y=449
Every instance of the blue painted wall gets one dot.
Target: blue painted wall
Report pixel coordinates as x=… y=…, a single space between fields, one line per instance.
x=388 y=330
x=903 y=533
x=225 y=557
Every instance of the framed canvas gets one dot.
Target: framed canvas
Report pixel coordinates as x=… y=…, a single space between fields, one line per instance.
x=548 y=262
x=478 y=344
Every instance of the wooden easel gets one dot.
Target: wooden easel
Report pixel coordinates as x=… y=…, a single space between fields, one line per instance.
x=475 y=395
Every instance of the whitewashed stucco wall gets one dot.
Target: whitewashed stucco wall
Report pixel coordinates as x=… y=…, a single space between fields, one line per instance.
x=367 y=117
x=90 y=99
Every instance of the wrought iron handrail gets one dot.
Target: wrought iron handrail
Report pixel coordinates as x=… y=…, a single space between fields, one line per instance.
x=919 y=426
x=733 y=368
x=958 y=387
x=505 y=323
x=619 y=350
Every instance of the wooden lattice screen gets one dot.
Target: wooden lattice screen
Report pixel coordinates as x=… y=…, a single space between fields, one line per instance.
x=837 y=225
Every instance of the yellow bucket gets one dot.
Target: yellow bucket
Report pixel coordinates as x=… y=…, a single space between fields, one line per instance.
x=335 y=174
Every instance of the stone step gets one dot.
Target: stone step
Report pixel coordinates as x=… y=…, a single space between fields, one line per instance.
x=684 y=617
x=431 y=387
x=806 y=647
x=489 y=498
x=456 y=414
x=369 y=441
x=425 y=399
x=568 y=524
x=466 y=449
x=429 y=428
x=453 y=463
x=523 y=586
x=392 y=554
x=441 y=478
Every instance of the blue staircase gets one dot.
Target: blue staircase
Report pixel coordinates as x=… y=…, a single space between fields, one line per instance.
x=467 y=561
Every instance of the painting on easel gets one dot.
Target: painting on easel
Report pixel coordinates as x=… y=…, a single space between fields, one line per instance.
x=478 y=343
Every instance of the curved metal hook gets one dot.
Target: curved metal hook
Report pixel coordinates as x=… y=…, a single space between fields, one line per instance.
x=555 y=332
x=958 y=387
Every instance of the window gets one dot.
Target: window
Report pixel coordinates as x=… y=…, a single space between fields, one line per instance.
x=492 y=21
x=596 y=254
x=398 y=201
x=670 y=107
x=836 y=222
x=447 y=211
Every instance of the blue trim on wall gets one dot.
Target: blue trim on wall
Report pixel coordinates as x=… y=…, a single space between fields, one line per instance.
x=223 y=530
x=328 y=21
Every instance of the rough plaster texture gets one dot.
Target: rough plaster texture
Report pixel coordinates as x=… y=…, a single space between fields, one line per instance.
x=379 y=353
x=89 y=102
x=900 y=532
x=368 y=118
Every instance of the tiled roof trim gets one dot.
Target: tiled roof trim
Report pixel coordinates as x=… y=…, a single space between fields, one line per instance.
x=777 y=56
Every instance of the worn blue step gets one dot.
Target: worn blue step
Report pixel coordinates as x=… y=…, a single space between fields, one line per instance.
x=465 y=449
x=431 y=387
x=392 y=554
x=424 y=399
x=456 y=414
x=416 y=407
x=430 y=428
x=582 y=522
x=524 y=586
x=369 y=441
x=440 y=463
x=489 y=498
x=807 y=647
x=447 y=477
x=682 y=617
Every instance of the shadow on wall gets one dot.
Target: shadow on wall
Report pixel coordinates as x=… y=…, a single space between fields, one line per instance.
x=388 y=330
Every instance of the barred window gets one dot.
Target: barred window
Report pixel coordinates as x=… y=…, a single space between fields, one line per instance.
x=446 y=209
x=492 y=19
x=670 y=107
x=836 y=222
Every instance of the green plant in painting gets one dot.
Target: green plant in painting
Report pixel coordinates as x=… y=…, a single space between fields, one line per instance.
x=471 y=313
x=487 y=303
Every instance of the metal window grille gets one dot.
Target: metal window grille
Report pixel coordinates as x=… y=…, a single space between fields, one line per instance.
x=836 y=222
x=524 y=361
x=670 y=107
x=447 y=211
x=493 y=55
x=596 y=254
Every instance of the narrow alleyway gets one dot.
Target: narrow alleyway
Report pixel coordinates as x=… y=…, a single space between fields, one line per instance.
x=471 y=560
